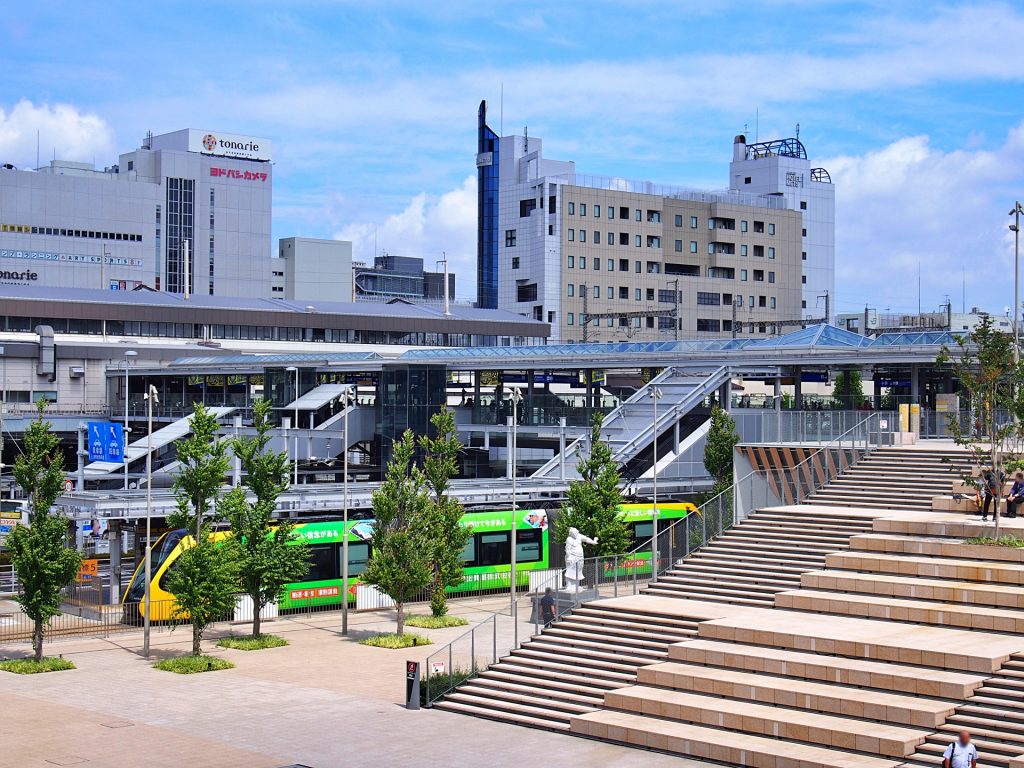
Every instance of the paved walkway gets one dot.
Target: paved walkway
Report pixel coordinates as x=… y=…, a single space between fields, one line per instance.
x=323 y=701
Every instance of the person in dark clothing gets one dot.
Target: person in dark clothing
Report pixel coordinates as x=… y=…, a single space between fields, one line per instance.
x=1016 y=495
x=991 y=487
x=548 y=606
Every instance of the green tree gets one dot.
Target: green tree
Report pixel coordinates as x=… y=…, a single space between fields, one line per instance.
x=204 y=578
x=592 y=502
x=398 y=565
x=445 y=537
x=719 y=446
x=848 y=389
x=983 y=363
x=204 y=582
x=39 y=551
x=270 y=552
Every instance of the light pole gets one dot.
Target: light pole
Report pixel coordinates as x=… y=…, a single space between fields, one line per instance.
x=516 y=397
x=295 y=420
x=1015 y=228
x=128 y=355
x=346 y=401
x=655 y=397
x=447 y=310
x=151 y=400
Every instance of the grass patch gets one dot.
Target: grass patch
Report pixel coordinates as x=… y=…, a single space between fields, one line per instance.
x=33 y=667
x=435 y=622
x=1002 y=541
x=250 y=643
x=394 y=642
x=190 y=665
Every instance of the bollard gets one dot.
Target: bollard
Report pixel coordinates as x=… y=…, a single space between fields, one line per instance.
x=412 y=685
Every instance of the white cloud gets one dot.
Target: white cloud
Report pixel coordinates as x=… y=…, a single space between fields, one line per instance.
x=62 y=129
x=427 y=227
x=909 y=203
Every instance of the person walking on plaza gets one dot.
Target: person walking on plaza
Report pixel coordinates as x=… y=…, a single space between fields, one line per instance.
x=991 y=490
x=1016 y=496
x=960 y=753
x=547 y=607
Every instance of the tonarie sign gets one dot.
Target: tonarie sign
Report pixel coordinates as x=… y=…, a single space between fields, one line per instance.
x=228 y=144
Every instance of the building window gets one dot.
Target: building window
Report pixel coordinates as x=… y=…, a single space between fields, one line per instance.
x=743 y=250
x=611 y=265
x=743 y=225
x=759 y=227
x=771 y=228
x=510 y=238
x=583 y=262
x=803 y=255
x=771 y=252
x=570 y=261
x=597 y=292
x=526 y=207
x=803 y=305
x=583 y=209
x=746 y=179
x=582 y=290
x=759 y=251
x=623 y=212
x=572 y=235
x=679 y=219
x=638 y=294
x=572 y=209
x=693 y=222
x=597 y=211
x=623 y=292
x=650 y=294
x=638 y=267
x=803 y=279
x=708 y=326
x=739 y=300
x=515 y=262
x=726 y=299
x=570 y=318
x=771 y=277
x=803 y=232
x=711 y=248
x=597 y=265
x=623 y=265
x=803 y=205
x=653 y=267
x=708 y=299
x=611 y=292
x=693 y=246
x=762 y=301
x=611 y=238
x=679 y=246
x=639 y=215
x=743 y=275
x=653 y=241
x=758 y=275
x=597 y=237
x=638 y=241
x=551 y=229
x=583 y=234
x=179 y=230
x=527 y=292
x=654 y=217
x=711 y=223
x=623 y=238
x=773 y=302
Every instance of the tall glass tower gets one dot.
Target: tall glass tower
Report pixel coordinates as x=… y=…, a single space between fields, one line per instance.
x=487 y=213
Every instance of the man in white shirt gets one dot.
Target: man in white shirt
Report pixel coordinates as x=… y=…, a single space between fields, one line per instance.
x=961 y=753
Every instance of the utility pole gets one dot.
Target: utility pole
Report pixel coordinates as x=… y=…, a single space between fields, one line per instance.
x=675 y=307
x=586 y=314
x=828 y=314
x=735 y=300
x=1015 y=228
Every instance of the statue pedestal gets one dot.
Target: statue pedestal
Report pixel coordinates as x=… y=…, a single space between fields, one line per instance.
x=564 y=601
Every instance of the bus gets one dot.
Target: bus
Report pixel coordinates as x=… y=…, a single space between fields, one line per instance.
x=486 y=558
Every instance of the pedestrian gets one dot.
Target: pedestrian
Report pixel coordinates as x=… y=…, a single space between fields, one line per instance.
x=960 y=753
x=547 y=606
x=991 y=488
x=1016 y=496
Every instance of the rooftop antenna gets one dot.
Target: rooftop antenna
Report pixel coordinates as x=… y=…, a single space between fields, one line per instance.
x=757 y=125
x=526 y=140
x=37 y=149
x=501 y=112
x=798 y=131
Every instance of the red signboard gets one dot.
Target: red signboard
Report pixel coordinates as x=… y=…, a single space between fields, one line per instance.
x=306 y=594
x=231 y=173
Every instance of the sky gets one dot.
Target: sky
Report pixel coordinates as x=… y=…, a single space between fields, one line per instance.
x=915 y=108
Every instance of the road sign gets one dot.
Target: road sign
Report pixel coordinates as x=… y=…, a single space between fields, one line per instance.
x=106 y=441
x=412 y=685
x=69 y=486
x=88 y=570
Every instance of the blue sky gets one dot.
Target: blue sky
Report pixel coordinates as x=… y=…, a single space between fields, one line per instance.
x=914 y=107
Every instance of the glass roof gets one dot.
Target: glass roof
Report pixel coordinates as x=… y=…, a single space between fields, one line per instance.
x=257 y=359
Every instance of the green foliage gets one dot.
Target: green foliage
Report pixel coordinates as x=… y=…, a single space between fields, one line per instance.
x=39 y=552
x=270 y=552
x=257 y=643
x=398 y=565
x=204 y=462
x=848 y=389
x=35 y=666
x=592 y=502
x=444 y=536
x=204 y=582
x=984 y=364
x=397 y=640
x=1002 y=541
x=719 y=446
x=435 y=622
x=442 y=682
x=191 y=665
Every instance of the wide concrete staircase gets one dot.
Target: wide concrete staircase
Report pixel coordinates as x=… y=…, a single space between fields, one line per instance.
x=896 y=478
x=763 y=555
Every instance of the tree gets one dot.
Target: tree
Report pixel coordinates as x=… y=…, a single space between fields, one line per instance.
x=592 y=502
x=849 y=389
x=398 y=564
x=204 y=578
x=445 y=537
x=270 y=552
x=983 y=362
x=719 y=446
x=39 y=552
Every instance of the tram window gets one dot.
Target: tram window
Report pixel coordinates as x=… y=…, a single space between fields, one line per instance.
x=642 y=532
x=323 y=562
x=495 y=549
x=528 y=546
x=358 y=554
x=469 y=551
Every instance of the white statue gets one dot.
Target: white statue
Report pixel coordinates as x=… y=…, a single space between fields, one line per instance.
x=574 y=559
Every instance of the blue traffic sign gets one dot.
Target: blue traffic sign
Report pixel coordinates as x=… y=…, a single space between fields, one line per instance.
x=106 y=441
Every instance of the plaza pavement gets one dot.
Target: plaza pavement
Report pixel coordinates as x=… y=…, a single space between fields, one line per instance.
x=324 y=701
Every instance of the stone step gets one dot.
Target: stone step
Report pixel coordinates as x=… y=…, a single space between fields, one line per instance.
x=830 y=669
x=628 y=628
x=989 y=741
x=591 y=649
x=930 y=646
x=888 y=585
x=728 y=747
x=657 y=622
x=767 y=546
x=489 y=713
x=690 y=570
x=760 y=534
x=728 y=559
x=933 y=546
x=611 y=634
x=558 y=707
x=585 y=659
x=625 y=675
x=935 y=524
x=979 y=724
x=556 y=679
x=766 y=720
x=591 y=700
x=929 y=567
x=675 y=578
x=880 y=706
x=703 y=595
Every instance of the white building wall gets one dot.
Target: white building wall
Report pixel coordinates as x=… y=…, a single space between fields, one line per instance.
x=314 y=269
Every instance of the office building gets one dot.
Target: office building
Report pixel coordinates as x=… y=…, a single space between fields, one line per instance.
x=70 y=225
x=400 y=277
x=607 y=259
x=309 y=269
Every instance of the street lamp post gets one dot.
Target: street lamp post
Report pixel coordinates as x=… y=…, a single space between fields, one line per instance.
x=516 y=397
x=346 y=401
x=1018 y=209
x=295 y=424
x=655 y=397
x=151 y=400
x=128 y=355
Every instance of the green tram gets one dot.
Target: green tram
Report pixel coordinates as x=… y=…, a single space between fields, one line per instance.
x=487 y=556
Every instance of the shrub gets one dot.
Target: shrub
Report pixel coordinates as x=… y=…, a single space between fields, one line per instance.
x=442 y=682
x=1002 y=541
x=190 y=665
x=436 y=622
x=250 y=643
x=394 y=642
x=33 y=667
